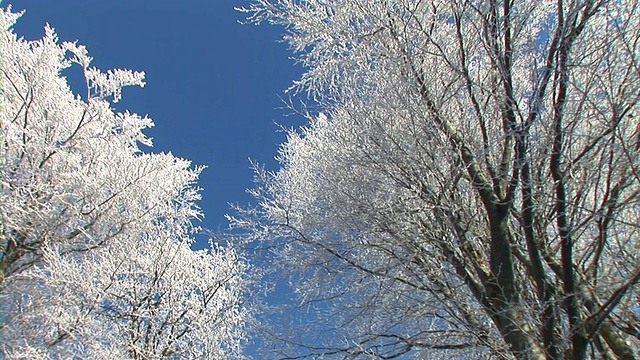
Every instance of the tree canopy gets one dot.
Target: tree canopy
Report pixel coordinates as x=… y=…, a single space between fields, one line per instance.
x=95 y=258
x=468 y=184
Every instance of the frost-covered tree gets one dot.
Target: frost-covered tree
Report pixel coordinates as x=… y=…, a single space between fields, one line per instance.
x=96 y=259
x=471 y=185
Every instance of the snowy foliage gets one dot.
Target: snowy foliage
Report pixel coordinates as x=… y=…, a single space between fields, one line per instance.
x=472 y=187
x=95 y=258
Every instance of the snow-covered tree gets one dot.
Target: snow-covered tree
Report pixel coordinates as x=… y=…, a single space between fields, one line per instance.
x=471 y=186
x=95 y=258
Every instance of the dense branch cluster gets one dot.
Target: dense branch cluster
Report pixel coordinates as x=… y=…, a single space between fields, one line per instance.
x=472 y=185
x=95 y=256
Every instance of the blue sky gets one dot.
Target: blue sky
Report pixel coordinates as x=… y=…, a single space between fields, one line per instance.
x=214 y=86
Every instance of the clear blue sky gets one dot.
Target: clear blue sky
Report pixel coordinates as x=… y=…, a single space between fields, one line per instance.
x=213 y=85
